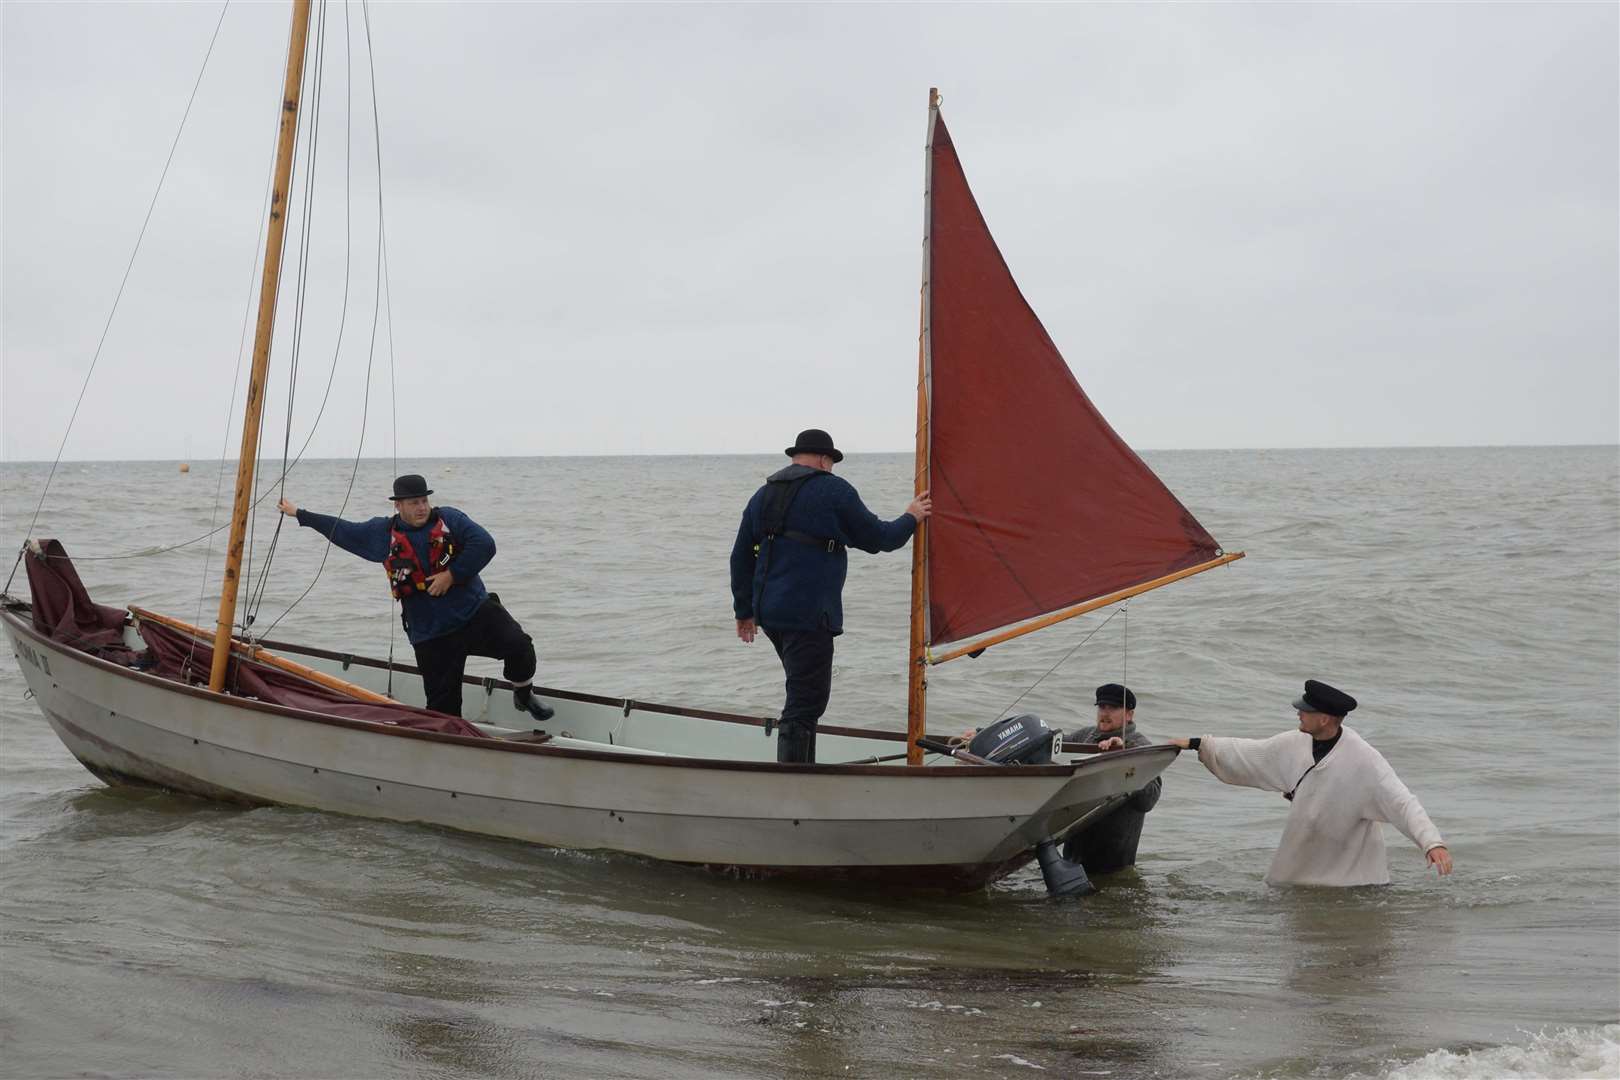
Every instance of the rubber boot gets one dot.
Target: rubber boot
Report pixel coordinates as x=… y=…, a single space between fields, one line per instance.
x=795 y=746
x=1062 y=877
x=523 y=700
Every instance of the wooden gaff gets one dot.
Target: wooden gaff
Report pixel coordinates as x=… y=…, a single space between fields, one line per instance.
x=1081 y=609
x=254 y=406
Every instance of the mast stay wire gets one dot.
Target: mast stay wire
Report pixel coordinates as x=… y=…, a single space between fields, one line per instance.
x=124 y=281
x=300 y=296
x=382 y=300
x=224 y=453
x=388 y=293
x=297 y=459
x=230 y=410
x=1064 y=659
x=382 y=231
x=371 y=353
x=311 y=143
x=287 y=461
x=343 y=310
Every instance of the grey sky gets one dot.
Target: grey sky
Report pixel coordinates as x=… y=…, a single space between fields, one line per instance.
x=696 y=228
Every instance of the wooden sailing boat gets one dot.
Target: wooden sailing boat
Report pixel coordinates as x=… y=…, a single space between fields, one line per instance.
x=283 y=723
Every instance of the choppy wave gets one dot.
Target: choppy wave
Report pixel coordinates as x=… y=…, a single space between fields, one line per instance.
x=1568 y=1053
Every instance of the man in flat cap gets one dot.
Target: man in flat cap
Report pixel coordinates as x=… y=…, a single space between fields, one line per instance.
x=1339 y=789
x=432 y=555
x=787 y=574
x=1109 y=843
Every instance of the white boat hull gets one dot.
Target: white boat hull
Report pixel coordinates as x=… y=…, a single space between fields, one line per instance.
x=947 y=826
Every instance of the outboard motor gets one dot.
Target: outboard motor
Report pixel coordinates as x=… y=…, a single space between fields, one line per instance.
x=1026 y=740
x=1019 y=740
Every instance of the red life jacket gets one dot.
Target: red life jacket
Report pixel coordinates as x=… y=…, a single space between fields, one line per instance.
x=406 y=574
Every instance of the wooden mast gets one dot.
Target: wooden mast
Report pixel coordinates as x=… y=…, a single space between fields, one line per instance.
x=917 y=668
x=277 y=230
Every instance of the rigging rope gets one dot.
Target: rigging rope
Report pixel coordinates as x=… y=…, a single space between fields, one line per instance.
x=295 y=353
x=215 y=529
x=382 y=230
x=388 y=292
x=106 y=327
x=1064 y=659
x=313 y=75
x=382 y=302
x=1125 y=654
x=230 y=409
x=371 y=352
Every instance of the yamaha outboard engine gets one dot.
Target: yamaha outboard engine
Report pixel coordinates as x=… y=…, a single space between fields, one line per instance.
x=1026 y=740
x=1020 y=740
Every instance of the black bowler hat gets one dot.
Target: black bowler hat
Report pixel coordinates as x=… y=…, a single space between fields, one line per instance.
x=1115 y=694
x=1322 y=698
x=814 y=441
x=410 y=486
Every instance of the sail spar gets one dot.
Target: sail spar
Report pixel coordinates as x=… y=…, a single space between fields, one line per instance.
x=1039 y=505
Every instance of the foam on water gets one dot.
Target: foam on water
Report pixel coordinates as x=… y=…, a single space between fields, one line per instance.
x=1568 y=1053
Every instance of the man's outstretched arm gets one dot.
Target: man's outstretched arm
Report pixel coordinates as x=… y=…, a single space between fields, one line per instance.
x=367 y=539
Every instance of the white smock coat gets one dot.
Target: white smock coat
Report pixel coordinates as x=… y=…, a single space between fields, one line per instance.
x=1333 y=835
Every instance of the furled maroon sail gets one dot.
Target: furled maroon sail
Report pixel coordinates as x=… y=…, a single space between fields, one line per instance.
x=1038 y=504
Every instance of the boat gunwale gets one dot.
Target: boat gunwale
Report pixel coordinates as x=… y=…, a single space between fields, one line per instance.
x=9 y=608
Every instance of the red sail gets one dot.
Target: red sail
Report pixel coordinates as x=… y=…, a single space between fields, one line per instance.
x=1038 y=504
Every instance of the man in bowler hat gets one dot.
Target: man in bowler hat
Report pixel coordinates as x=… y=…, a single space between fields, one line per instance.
x=432 y=555
x=1109 y=843
x=1339 y=789
x=787 y=574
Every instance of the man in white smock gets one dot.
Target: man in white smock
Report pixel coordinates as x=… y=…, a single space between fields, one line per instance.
x=1340 y=788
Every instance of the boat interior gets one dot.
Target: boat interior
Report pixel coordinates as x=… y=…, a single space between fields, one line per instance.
x=582 y=721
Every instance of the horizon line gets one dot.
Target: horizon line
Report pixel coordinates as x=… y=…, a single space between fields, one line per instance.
x=872 y=453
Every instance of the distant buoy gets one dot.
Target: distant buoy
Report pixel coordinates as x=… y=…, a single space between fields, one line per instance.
x=184 y=467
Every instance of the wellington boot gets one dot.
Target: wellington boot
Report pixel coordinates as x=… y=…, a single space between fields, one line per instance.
x=1062 y=877
x=795 y=746
x=523 y=700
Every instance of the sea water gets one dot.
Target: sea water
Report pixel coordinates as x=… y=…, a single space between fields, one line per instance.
x=1470 y=598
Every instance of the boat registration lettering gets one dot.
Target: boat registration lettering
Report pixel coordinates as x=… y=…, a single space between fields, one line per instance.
x=27 y=653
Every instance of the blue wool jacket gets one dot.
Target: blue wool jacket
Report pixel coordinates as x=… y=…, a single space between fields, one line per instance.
x=787 y=585
x=426 y=617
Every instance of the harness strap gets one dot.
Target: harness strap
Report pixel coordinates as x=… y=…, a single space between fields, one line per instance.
x=830 y=546
x=773 y=515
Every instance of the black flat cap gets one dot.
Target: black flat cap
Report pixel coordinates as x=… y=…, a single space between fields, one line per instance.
x=814 y=441
x=1322 y=698
x=1115 y=694
x=410 y=486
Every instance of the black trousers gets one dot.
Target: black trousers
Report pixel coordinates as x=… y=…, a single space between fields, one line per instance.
x=807 y=657
x=490 y=632
x=1108 y=845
